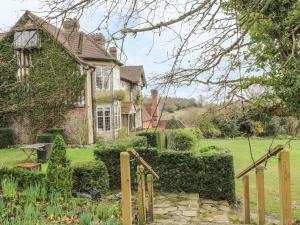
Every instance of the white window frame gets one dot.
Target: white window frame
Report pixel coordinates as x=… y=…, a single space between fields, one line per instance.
x=105 y=75
x=114 y=120
x=26 y=39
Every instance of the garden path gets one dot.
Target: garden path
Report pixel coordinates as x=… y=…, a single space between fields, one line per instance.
x=189 y=209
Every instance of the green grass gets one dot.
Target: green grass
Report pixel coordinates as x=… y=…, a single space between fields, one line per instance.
x=242 y=159
x=13 y=156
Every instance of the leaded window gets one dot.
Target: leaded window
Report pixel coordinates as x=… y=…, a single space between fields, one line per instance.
x=26 y=39
x=104 y=76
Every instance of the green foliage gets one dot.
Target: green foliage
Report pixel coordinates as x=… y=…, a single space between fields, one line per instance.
x=23 y=178
x=86 y=219
x=154 y=138
x=209 y=130
x=210 y=175
x=89 y=176
x=172 y=124
x=9 y=187
x=6 y=137
x=45 y=138
x=105 y=212
x=108 y=97
x=59 y=172
x=54 y=79
x=180 y=140
x=55 y=131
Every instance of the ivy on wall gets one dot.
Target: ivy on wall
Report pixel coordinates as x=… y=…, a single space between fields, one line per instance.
x=53 y=86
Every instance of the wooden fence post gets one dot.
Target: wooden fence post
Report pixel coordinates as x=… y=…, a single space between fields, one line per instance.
x=246 y=193
x=126 y=189
x=150 y=197
x=260 y=195
x=285 y=188
x=141 y=195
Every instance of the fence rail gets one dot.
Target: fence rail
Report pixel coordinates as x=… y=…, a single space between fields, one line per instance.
x=145 y=211
x=284 y=187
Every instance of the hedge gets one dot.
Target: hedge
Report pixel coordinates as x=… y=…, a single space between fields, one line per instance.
x=56 y=131
x=86 y=177
x=90 y=175
x=45 y=138
x=210 y=175
x=154 y=138
x=6 y=137
x=180 y=140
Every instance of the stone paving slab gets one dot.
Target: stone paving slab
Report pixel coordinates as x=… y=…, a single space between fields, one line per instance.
x=189 y=209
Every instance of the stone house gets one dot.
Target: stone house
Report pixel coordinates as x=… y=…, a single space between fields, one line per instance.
x=113 y=92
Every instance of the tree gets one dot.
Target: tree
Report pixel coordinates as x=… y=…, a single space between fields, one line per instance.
x=59 y=172
x=229 y=44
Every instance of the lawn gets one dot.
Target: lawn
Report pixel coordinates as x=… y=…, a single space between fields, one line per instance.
x=13 y=156
x=242 y=159
x=240 y=151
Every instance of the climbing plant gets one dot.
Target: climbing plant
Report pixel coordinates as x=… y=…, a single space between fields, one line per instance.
x=53 y=86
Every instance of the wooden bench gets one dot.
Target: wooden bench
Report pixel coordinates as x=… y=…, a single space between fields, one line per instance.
x=30 y=166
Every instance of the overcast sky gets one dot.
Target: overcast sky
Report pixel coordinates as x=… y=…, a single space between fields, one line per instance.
x=137 y=49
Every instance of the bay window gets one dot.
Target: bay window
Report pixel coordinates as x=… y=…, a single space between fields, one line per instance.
x=109 y=117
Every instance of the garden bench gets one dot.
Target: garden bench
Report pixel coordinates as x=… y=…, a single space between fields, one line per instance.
x=30 y=166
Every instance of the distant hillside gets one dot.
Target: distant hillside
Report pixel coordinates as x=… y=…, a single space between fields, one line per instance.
x=172 y=104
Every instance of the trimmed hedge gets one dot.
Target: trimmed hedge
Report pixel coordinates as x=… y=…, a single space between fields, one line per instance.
x=180 y=140
x=6 y=137
x=90 y=175
x=210 y=175
x=45 y=138
x=56 y=131
x=154 y=138
x=86 y=177
x=24 y=178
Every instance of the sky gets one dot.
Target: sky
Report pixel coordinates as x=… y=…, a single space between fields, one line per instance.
x=137 y=49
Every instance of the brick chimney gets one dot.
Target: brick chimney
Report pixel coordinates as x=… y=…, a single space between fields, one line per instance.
x=71 y=25
x=99 y=39
x=113 y=52
x=154 y=107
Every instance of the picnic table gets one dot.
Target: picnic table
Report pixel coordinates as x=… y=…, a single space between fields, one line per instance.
x=33 y=149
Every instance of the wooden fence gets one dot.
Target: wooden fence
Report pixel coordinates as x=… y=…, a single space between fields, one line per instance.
x=284 y=187
x=145 y=211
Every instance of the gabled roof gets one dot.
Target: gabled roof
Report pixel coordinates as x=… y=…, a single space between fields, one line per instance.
x=78 y=44
x=133 y=74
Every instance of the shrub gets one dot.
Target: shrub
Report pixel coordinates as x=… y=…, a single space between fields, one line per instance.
x=23 y=178
x=210 y=175
x=127 y=142
x=90 y=176
x=180 y=140
x=45 y=138
x=6 y=137
x=209 y=130
x=154 y=138
x=59 y=172
x=173 y=124
x=56 y=131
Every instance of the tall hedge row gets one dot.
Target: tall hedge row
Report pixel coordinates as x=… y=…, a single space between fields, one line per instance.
x=154 y=138
x=210 y=175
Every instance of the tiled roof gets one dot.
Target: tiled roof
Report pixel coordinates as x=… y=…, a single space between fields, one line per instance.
x=128 y=108
x=133 y=74
x=80 y=45
x=145 y=115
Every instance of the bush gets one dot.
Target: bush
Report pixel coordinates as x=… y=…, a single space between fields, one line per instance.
x=56 y=131
x=45 y=138
x=154 y=138
x=180 y=140
x=210 y=175
x=173 y=124
x=6 y=137
x=59 y=172
x=127 y=142
x=89 y=176
x=24 y=178
x=209 y=130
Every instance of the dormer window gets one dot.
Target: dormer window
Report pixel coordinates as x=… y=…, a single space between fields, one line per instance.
x=26 y=39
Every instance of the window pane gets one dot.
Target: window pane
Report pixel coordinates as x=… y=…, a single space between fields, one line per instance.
x=26 y=39
x=100 y=118
x=107 y=118
x=99 y=78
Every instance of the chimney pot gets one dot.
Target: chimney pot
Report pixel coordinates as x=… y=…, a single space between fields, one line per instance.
x=99 y=39
x=113 y=52
x=71 y=25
